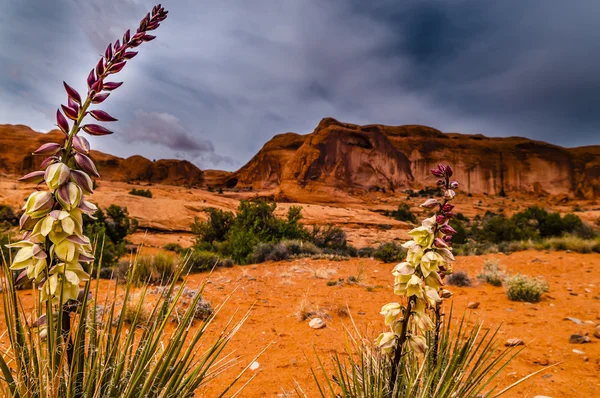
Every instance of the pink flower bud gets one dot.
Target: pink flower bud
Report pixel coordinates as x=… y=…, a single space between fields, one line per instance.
x=449 y=215
x=447 y=229
x=62 y=122
x=99 y=98
x=448 y=207
x=108 y=53
x=129 y=54
x=448 y=238
x=48 y=161
x=440 y=183
x=86 y=164
x=454 y=185
x=69 y=112
x=102 y=116
x=81 y=145
x=116 y=68
x=34 y=177
x=72 y=93
x=49 y=148
x=95 y=129
x=83 y=180
x=448 y=171
x=26 y=222
x=72 y=104
x=437 y=173
x=88 y=208
x=440 y=219
x=109 y=86
x=429 y=203
x=439 y=242
x=127 y=36
x=99 y=69
x=91 y=79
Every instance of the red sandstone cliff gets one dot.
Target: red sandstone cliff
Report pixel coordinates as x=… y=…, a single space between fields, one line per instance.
x=17 y=142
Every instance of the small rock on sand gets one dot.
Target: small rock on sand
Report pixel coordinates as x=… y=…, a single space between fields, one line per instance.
x=473 y=305
x=317 y=323
x=578 y=339
x=513 y=342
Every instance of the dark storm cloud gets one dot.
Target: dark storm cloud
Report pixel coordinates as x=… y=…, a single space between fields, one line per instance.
x=224 y=77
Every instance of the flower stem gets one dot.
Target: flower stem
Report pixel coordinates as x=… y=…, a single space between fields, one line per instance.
x=401 y=341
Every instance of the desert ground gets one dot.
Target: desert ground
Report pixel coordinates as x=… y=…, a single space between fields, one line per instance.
x=273 y=292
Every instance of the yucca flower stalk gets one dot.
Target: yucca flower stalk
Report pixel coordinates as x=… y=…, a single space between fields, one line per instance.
x=54 y=248
x=419 y=280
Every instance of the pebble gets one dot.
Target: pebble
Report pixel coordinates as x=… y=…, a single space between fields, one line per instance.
x=587 y=290
x=255 y=365
x=578 y=339
x=513 y=342
x=579 y=352
x=473 y=305
x=317 y=323
x=577 y=321
x=597 y=332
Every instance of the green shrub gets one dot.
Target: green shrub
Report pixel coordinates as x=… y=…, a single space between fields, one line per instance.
x=215 y=229
x=491 y=273
x=403 y=213
x=524 y=288
x=8 y=216
x=200 y=261
x=390 y=252
x=146 y=193
x=365 y=252
x=173 y=247
x=260 y=252
x=152 y=269
x=329 y=237
x=459 y=278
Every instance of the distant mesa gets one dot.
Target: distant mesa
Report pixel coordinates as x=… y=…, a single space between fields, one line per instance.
x=18 y=141
x=339 y=159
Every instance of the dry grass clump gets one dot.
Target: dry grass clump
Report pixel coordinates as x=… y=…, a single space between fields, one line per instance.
x=524 y=288
x=137 y=310
x=324 y=273
x=492 y=273
x=307 y=310
x=459 y=278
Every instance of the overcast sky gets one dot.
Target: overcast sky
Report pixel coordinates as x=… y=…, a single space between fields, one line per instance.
x=224 y=76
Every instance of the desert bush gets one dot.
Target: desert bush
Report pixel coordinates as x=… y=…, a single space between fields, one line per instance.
x=365 y=252
x=328 y=237
x=200 y=261
x=146 y=193
x=524 y=288
x=492 y=273
x=403 y=213
x=173 y=247
x=150 y=269
x=8 y=216
x=215 y=229
x=459 y=278
x=390 y=252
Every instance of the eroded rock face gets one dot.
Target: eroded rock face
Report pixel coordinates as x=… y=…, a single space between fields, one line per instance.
x=340 y=157
x=346 y=157
x=17 y=143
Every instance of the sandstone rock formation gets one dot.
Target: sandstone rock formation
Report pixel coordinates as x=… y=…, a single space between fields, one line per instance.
x=17 y=140
x=340 y=157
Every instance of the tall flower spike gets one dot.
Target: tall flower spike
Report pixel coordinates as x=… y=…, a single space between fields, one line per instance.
x=53 y=244
x=419 y=279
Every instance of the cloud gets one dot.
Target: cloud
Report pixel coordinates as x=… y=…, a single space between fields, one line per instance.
x=230 y=75
x=165 y=130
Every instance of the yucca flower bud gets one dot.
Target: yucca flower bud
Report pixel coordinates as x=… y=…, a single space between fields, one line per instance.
x=387 y=343
x=446 y=293
x=448 y=171
x=437 y=172
x=69 y=196
x=440 y=219
x=453 y=185
x=449 y=194
x=447 y=207
x=39 y=204
x=62 y=122
x=447 y=229
x=86 y=164
x=417 y=344
x=49 y=148
x=81 y=145
x=430 y=203
x=34 y=177
x=56 y=175
x=390 y=312
x=440 y=243
x=82 y=180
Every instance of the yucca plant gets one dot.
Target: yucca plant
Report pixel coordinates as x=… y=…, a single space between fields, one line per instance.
x=71 y=348
x=470 y=360
x=419 y=356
